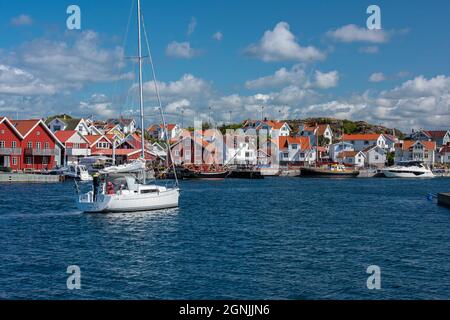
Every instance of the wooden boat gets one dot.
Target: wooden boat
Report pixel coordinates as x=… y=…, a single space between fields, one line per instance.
x=331 y=171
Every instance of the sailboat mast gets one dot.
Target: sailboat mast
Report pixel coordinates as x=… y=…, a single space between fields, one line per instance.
x=141 y=89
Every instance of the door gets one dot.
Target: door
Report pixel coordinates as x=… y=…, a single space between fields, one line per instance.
x=6 y=162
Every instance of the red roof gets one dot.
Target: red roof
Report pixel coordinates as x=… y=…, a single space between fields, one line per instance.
x=284 y=142
x=347 y=154
x=93 y=138
x=63 y=136
x=366 y=137
x=438 y=134
x=24 y=126
x=430 y=145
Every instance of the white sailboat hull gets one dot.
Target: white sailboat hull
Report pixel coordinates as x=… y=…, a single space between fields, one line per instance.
x=129 y=202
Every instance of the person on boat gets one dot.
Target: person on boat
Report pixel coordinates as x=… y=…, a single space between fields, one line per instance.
x=109 y=188
x=96 y=184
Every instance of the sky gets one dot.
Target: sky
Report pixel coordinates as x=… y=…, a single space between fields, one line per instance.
x=230 y=60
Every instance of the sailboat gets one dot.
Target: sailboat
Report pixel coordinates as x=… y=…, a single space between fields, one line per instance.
x=124 y=188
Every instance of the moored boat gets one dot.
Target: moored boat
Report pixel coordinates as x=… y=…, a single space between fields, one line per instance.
x=409 y=169
x=331 y=171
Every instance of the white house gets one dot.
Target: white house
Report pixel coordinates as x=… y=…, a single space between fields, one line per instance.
x=441 y=137
x=416 y=150
x=274 y=129
x=68 y=124
x=444 y=154
x=375 y=156
x=127 y=126
x=240 y=148
x=339 y=147
x=362 y=141
x=295 y=150
x=76 y=146
x=157 y=132
x=390 y=142
x=352 y=158
x=315 y=132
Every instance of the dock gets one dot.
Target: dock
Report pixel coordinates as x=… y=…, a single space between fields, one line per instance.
x=444 y=199
x=29 y=178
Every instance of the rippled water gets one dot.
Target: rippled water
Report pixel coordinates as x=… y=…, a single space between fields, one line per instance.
x=285 y=238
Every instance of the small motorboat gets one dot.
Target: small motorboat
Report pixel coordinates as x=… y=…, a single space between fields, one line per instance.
x=409 y=169
x=75 y=171
x=330 y=171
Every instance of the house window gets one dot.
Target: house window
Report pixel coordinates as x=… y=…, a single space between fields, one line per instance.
x=2 y=144
x=376 y=157
x=38 y=133
x=187 y=143
x=76 y=146
x=426 y=155
x=38 y=145
x=248 y=154
x=44 y=160
x=30 y=145
x=46 y=145
x=187 y=154
x=302 y=155
x=56 y=128
x=177 y=153
x=14 y=161
x=28 y=160
x=285 y=155
x=295 y=146
x=80 y=128
x=14 y=144
x=366 y=142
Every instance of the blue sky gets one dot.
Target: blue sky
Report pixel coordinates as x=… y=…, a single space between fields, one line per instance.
x=297 y=58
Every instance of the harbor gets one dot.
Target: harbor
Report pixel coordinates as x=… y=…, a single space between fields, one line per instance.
x=231 y=238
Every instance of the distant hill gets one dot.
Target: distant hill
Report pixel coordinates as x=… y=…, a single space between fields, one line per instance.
x=349 y=127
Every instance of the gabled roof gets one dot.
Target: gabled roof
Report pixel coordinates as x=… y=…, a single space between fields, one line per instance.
x=347 y=154
x=93 y=139
x=25 y=127
x=303 y=142
x=321 y=128
x=11 y=125
x=65 y=135
x=438 y=134
x=429 y=145
x=365 y=137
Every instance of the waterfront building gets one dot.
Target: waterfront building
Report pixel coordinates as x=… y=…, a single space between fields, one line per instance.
x=241 y=148
x=444 y=154
x=10 y=145
x=336 y=148
x=296 y=150
x=352 y=158
x=41 y=149
x=416 y=150
x=375 y=156
x=76 y=146
x=321 y=131
x=441 y=137
x=362 y=141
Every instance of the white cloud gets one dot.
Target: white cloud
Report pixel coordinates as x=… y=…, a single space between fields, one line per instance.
x=369 y=50
x=377 y=77
x=218 y=36
x=72 y=63
x=19 y=82
x=353 y=33
x=296 y=76
x=280 y=44
x=180 y=50
x=421 y=87
x=98 y=105
x=326 y=80
x=22 y=20
x=192 y=26
x=187 y=87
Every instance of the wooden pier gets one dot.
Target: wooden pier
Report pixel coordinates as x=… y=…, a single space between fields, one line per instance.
x=444 y=199
x=29 y=178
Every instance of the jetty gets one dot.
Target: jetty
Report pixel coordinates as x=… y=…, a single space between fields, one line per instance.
x=444 y=199
x=29 y=178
